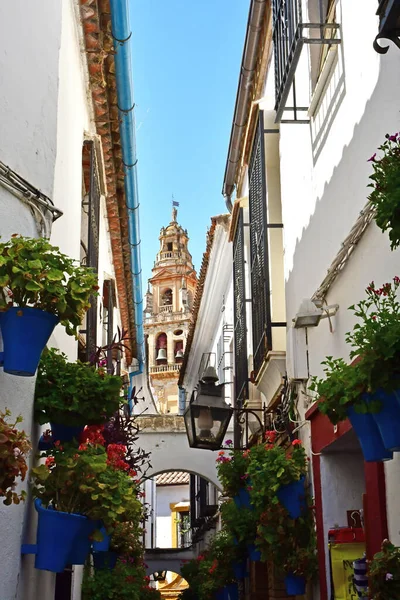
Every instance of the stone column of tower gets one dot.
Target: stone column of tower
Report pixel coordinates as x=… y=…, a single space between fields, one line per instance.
x=168 y=311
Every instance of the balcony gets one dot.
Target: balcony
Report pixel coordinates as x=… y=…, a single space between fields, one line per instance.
x=168 y=255
x=166 y=309
x=289 y=36
x=165 y=368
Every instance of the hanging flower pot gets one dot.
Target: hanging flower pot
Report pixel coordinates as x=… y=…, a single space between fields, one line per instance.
x=104 y=545
x=239 y=569
x=293 y=497
x=254 y=554
x=62 y=538
x=65 y=433
x=242 y=499
x=368 y=435
x=232 y=592
x=25 y=332
x=388 y=419
x=295 y=584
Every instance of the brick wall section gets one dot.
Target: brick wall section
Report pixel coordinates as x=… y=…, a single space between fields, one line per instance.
x=96 y=23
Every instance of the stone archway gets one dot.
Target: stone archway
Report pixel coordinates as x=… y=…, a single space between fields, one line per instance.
x=165 y=437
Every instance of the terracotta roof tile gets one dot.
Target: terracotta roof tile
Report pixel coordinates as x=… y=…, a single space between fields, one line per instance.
x=173 y=478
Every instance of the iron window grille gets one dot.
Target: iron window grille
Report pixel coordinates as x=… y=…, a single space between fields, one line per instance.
x=109 y=302
x=240 y=326
x=389 y=24
x=289 y=36
x=259 y=252
x=91 y=204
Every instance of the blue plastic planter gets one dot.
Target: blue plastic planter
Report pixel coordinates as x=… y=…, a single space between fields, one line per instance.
x=242 y=499
x=232 y=591
x=25 y=333
x=388 y=419
x=104 y=545
x=293 y=497
x=65 y=433
x=239 y=569
x=369 y=436
x=62 y=538
x=105 y=560
x=254 y=554
x=295 y=585
x=220 y=595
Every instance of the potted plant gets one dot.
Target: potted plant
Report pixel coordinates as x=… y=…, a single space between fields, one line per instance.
x=341 y=397
x=232 y=468
x=39 y=287
x=14 y=448
x=73 y=394
x=128 y=581
x=370 y=387
x=289 y=544
x=385 y=195
x=76 y=491
x=384 y=573
x=277 y=474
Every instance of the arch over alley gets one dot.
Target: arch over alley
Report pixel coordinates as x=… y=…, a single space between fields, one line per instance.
x=165 y=437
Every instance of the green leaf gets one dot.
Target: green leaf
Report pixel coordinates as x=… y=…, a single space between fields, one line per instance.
x=33 y=286
x=35 y=264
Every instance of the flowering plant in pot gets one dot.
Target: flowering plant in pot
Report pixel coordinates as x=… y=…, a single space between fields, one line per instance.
x=370 y=386
x=14 y=447
x=385 y=195
x=384 y=573
x=239 y=522
x=74 y=393
x=212 y=570
x=290 y=544
x=79 y=488
x=232 y=467
x=127 y=581
x=39 y=287
x=277 y=474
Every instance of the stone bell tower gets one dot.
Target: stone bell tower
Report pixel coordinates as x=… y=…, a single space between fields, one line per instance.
x=169 y=304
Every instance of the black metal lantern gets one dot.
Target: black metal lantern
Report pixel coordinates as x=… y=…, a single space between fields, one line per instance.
x=207 y=417
x=160 y=575
x=389 y=24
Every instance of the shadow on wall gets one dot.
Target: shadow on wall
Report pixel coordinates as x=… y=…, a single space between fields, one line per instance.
x=344 y=196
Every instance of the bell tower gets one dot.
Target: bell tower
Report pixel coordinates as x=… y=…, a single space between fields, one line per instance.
x=169 y=304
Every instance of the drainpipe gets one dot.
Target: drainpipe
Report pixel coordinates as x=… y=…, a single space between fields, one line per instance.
x=121 y=32
x=243 y=96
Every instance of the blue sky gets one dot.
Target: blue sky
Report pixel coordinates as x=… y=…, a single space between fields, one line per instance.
x=186 y=62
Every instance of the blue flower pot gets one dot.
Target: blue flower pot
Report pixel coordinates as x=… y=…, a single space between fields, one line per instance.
x=232 y=592
x=25 y=333
x=105 y=560
x=295 y=585
x=62 y=538
x=293 y=497
x=388 y=419
x=104 y=545
x=368 y=435
x=254 y=554
x=242 y=499
x=65 y=433
x=239 y=569
x=220 y=595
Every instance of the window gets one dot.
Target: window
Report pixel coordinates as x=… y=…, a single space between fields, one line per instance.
x=260 y=283
x=240 y=327
x=169 y=246
x=161 y=349
x=109 y=302
x=166 y=298
x=90 y=234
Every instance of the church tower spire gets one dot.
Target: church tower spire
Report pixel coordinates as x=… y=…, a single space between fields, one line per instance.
x=169 y=303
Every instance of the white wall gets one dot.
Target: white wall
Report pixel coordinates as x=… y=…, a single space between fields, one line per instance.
x=165 y=496
x=343 y=484
x=29 y=53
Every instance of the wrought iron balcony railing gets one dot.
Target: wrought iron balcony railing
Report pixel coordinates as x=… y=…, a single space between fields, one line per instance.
x=289 y=36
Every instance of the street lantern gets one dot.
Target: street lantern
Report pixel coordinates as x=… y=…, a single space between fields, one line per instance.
x=207 y=416
x=160 y=575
